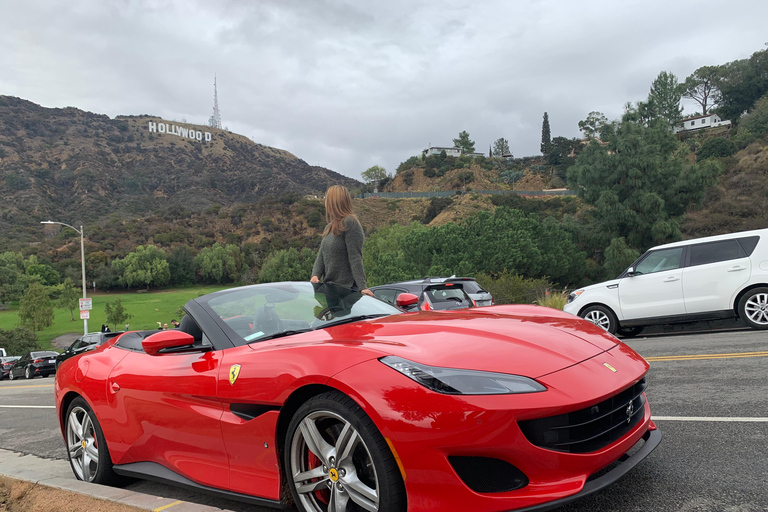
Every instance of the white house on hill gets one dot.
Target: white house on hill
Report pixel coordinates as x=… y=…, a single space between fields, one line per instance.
x=434 y=150
x=699 y=122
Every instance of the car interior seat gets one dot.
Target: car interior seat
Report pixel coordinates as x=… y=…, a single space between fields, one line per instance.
x=265 y=319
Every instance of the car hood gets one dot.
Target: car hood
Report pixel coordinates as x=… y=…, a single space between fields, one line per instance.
x=524 y=340
x=604 y=284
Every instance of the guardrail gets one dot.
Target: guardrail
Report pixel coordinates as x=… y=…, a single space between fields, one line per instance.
x=450 y=193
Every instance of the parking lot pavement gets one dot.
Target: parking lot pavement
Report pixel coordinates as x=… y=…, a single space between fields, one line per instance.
x=708 y=393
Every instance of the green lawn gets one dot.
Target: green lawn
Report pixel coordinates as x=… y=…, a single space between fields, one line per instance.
x=147 y=309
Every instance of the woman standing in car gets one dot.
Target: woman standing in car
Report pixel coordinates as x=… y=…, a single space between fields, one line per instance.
x=340 y=259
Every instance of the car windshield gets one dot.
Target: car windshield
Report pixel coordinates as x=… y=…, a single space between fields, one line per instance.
x=265 y=311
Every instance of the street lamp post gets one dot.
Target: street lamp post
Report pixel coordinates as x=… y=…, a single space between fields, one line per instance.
x=82 y=260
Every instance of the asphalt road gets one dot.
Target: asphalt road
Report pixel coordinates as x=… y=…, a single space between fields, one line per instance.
x=714 y=456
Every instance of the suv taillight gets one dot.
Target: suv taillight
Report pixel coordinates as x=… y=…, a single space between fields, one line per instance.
x=38 y=360
x=425 y=306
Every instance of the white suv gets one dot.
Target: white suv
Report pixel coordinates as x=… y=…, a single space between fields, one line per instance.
x=707 y=278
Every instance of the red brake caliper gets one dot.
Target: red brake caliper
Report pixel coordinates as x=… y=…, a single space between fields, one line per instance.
x=322 y=495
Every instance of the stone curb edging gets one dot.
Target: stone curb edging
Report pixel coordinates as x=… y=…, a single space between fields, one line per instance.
x=57 y=474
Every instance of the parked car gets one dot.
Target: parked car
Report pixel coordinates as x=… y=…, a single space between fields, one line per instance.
x=2 y=353
x=33 y=364
x=85 y=343
x=333 y=400
x=722 y=276
x=5 y=365
x=390 y=292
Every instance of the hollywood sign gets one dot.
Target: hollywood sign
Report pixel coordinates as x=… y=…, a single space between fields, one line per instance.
x=179 y=131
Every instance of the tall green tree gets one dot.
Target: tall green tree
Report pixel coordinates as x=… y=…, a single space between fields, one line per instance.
x=464 y=143
x=639 y=183
x=287 y=265
x=664 y=99
x=501 y=147
x=546 y=135
x=116 y=313
x=374 y=174
x=68 y=297
x=143 y=267
x=593 y=124
x=35 y=308
x=742 y=83
x=490 y=152
x=219 y=263
x=703 y=87
x=180 y=265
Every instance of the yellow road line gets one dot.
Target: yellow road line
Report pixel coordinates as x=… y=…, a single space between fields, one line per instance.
x=698 y=357
x=158 y=509
x=20 y=387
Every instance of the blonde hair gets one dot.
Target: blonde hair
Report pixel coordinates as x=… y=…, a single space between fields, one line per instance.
x=338 y=206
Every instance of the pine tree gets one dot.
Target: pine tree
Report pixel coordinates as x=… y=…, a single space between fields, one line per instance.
x=464 y=143
x=546 y=136
x=490 y=152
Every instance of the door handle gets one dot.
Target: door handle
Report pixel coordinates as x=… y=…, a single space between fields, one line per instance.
x=671 y=279
x=736 y=268
x=115 y=387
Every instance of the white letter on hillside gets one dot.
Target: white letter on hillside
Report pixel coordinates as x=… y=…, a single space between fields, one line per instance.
x=161 y=128
x=207 y=136
x=152 y=127
x=199 y=135
x=184 y=132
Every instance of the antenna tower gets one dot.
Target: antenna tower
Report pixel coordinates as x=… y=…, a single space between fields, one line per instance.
x=215 y=120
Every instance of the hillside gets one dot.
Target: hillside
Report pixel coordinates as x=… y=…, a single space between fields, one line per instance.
x=74 y=166
x=465 y=173
x=739 y=200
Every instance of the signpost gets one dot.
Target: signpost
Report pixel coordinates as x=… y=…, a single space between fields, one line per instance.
x=86 y=304
x=84 y=314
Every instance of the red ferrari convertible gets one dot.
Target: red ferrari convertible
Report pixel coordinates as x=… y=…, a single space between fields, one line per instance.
x=293 y=393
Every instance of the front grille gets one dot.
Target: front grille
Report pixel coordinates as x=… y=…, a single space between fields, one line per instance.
x=589 y=429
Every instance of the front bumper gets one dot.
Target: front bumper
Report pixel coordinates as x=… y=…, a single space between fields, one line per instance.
x=651 y=439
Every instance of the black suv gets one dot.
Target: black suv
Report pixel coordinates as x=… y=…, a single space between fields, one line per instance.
x=437 y=292
x=85 y=343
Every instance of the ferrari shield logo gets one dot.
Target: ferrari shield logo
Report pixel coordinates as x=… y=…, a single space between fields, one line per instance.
x=604 y=364
x=234 y=372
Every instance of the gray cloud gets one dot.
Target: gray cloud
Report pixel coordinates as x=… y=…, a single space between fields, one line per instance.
x=351 y=84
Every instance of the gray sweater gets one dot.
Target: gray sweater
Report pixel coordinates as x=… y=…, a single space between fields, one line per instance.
x=340 y=260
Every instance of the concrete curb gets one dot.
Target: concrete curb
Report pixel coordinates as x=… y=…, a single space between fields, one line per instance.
x=57 y=474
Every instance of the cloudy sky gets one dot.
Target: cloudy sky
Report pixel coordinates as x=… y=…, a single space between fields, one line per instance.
x=350 y=84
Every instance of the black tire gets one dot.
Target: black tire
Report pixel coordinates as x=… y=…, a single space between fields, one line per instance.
x=328 y=415
x=601 y=316
x=28 y=373
x=629 y=332
x=753 y=308
x=101 y=473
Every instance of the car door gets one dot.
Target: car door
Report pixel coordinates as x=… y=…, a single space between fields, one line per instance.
x=714 y=273
x=170 y=412
x=656 y=288
x=20 y=365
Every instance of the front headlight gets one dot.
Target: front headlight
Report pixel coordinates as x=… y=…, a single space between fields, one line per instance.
x=573 y=295
x=453 y=381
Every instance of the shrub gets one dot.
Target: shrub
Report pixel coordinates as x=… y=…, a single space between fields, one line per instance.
x=719 y=147
x=554 y=300
x=436 y=205
x=509 y=288
x=408 y=178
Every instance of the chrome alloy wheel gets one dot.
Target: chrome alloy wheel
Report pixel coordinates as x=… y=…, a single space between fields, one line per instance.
x=599 y=318
x=756 y=308
x=331 y=466
x=82 y=444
